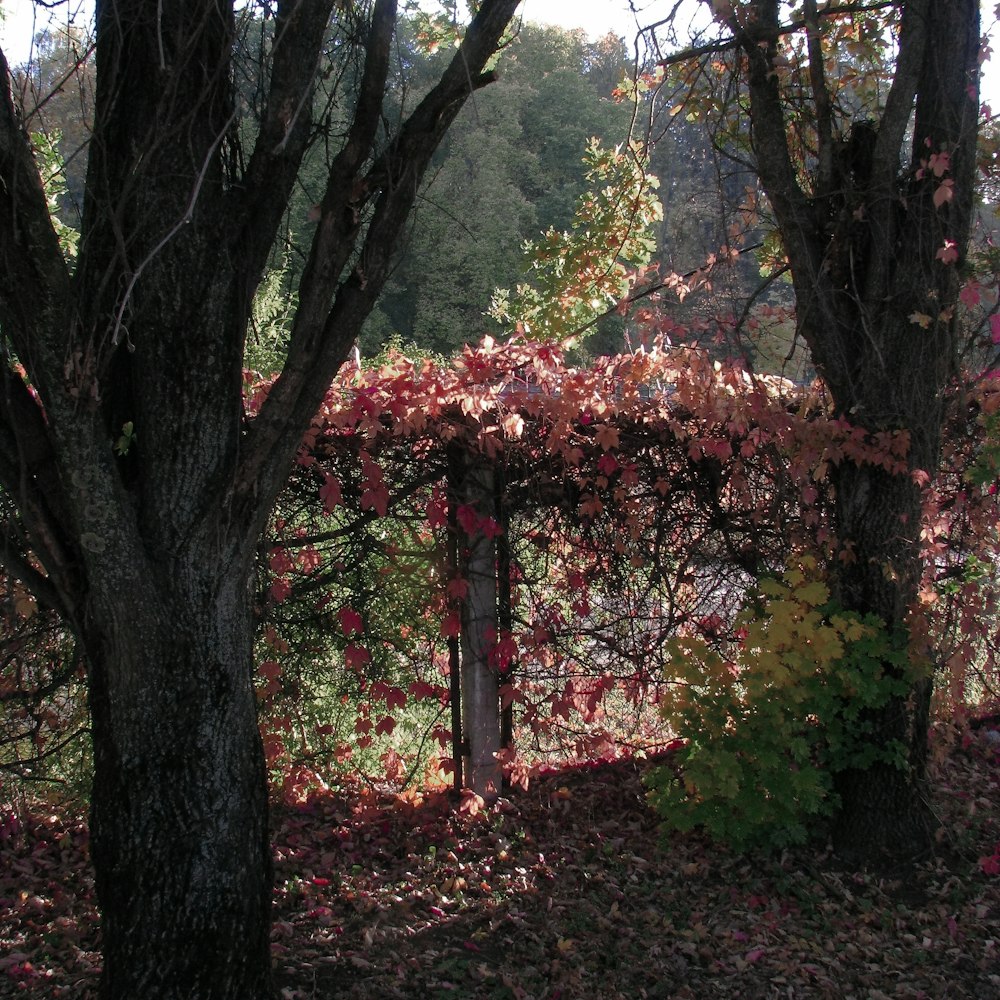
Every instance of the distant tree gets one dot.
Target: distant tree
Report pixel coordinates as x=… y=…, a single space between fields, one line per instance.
x=56 y=91
x=512 y=166
x=141 y=488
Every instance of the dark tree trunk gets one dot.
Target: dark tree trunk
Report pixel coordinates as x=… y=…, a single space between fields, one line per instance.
x=179 y=808
x=884 y=810
x=863 y=242
x=148 y=547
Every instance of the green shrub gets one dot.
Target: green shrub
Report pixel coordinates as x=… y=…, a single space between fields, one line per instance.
x=768 y=727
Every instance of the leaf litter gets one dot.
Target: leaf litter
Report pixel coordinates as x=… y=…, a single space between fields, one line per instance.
x=564 y=890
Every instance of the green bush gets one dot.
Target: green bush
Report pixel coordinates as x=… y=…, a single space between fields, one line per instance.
x=769 y=726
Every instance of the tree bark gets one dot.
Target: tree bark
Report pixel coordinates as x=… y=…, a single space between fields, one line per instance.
x=147 y=549
x=179 y=803
x=864 y=248
x=883 y=808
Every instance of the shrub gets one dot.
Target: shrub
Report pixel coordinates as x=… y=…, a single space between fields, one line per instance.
x=769 y=726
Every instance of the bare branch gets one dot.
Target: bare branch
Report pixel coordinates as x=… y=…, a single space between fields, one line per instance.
x=790 y=28
x=284 y=132
x=323 y=333
x=821 y=97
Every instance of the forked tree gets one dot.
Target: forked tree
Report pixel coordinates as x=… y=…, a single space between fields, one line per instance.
x=135 y=487
x=871 y=192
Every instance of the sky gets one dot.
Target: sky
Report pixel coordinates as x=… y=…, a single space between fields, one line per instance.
x=597 y=17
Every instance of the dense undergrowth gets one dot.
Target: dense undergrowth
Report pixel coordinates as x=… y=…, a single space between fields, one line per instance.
x=563 y=890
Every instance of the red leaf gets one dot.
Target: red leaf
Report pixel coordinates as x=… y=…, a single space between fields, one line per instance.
x=991 y=865
x=607 y=464
x=971 y=294
x=948 y=254
x=451 y=625
x=490 y=528
x=269 y=669
x=395 y=698
x=356 y=656
x=309 y=559
x=421 y=689
x=329 y=492
x=376 y=497
x=350 y=621
x=468 y=519
x=437 y=512
x=995 y=328
x=279 y=560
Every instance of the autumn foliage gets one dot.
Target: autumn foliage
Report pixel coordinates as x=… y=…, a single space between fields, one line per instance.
x=643 y=498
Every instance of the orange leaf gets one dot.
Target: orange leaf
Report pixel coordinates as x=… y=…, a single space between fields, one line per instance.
x=607 y=436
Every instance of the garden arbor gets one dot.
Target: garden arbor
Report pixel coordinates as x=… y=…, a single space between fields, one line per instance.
x=139 y=487
x=588 y=515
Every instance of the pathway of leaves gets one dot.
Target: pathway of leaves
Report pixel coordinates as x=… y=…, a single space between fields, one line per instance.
x=562 y=891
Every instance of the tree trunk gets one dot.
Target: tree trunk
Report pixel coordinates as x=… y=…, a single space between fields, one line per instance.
x=870 y=248
x=480 y=684
x=884 y=809
x=179 y=808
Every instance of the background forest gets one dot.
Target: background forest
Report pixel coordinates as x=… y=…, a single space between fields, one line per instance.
x=510 y=168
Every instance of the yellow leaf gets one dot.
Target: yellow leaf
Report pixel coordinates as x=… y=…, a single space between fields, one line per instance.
x=813 y=594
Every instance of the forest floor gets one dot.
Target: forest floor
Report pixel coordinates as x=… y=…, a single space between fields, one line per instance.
x=563 y=891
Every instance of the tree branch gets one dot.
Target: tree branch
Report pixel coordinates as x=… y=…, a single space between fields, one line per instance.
x=824 y=121
x=902 y=93
x=323 y=333
x=34 y=279
x=345 y=195
x=882 y=196
x=284 y=133
x=794 y=211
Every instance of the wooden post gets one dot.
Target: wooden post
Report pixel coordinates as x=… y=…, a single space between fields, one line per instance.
x=454 y=658
x=480 y=684
x=505 y=615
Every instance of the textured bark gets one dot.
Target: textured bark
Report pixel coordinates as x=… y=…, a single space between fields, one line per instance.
x=863 y=248
x=179 y=802
x=149 y=553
